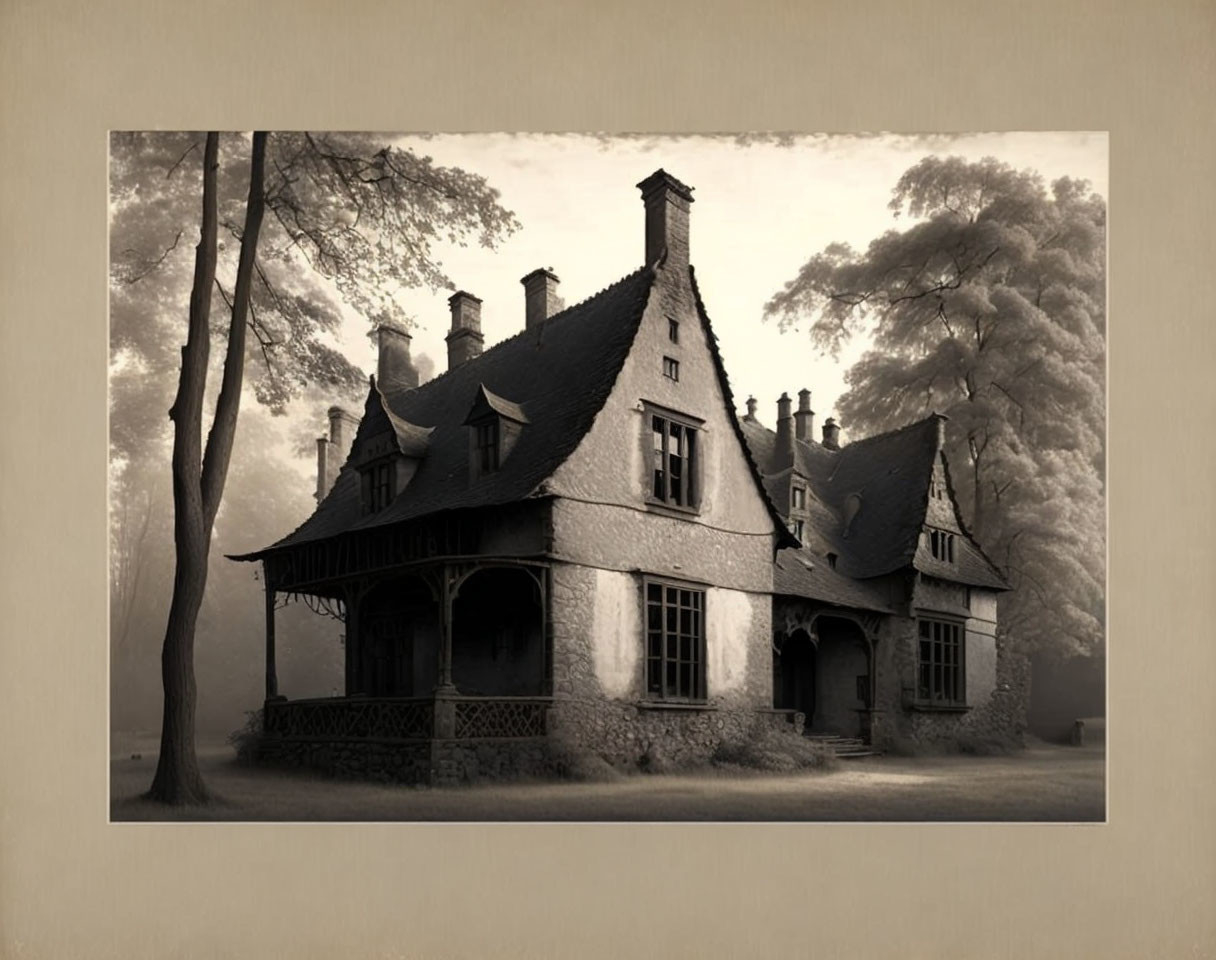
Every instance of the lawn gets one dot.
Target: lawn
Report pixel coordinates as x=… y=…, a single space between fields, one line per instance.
x=1042 y=783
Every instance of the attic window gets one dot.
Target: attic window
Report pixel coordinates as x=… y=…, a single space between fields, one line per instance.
x=941 y=545
x=937 y=489
x=671 y=368
x=379 y=484
x=832 y=560
x=487 y=446
x=797 y=528
x=798 y=498
x=673 y=330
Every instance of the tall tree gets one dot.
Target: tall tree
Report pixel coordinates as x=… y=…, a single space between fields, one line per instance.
x=990 y=308
x=345 y=215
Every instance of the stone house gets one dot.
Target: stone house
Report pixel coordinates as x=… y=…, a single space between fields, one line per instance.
x=572 y=536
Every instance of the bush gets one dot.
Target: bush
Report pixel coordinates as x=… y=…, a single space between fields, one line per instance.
x=774 y=751
x=247 y=741
x=571 y=762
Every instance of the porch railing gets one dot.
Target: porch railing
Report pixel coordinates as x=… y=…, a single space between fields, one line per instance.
x=394 y=718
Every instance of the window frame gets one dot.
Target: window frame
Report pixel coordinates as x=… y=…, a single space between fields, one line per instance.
x=695 y=679
x=671 y=369
x=798 y=528
x=941 y=544
x=797 y=497
x=379 y=484
x=689 y=479
x=487 y=442
x=673 y=329
x=947 y=648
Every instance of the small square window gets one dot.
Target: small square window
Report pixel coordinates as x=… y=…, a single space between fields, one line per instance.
x=671 y=368
x=673 y=330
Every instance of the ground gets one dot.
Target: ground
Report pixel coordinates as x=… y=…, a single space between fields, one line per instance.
x=1042 y=783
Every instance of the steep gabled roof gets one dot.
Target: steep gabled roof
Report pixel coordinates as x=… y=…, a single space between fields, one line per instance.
x=560 y=371
x=888 y=475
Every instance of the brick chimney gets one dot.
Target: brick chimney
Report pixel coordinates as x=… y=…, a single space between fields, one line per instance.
x=804 y=419
x=667 y=201
x=540 y=297
x=395 y=370
x=831 y=434
x=751 y=409
x=783 y=449
x=333 y=450
x=465 y=339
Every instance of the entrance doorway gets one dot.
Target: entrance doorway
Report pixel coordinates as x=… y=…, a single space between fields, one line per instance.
x=825 y=674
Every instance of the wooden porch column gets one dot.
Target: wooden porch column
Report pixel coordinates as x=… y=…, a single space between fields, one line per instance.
x=445 y=684
x=354 y=593
x=272 y=680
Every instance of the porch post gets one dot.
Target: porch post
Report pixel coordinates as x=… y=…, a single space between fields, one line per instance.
x=272 y=680
x=354 y=593
x=445 y=630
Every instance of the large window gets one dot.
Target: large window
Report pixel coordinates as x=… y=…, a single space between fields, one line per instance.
x=940 y=663
x=675 y=641
x=674 y=447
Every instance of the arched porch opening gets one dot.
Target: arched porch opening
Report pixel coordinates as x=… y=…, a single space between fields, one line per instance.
x=794 y=673
x=498 y=642
x=398 y=631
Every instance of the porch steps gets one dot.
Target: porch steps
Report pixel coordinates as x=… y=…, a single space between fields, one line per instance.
x=846 y=748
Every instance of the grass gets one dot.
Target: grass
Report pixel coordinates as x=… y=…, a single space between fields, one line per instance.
x=1043 y=783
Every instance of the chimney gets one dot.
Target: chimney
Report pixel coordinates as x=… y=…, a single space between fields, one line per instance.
x=394 y=368
x=465 y=339
x=540 y=296
x=804 y=419
x=667 y=203
x=831 y=434
x=322 y=469
x=783 y=449
x=751 y=409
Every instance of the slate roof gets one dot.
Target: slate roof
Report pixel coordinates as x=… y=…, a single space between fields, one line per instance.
x=890 y=474
x=555 y=376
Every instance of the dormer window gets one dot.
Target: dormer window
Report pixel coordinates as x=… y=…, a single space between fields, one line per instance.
x=798 y=498
x=387 y=459
x=941 y=545
x=381 y=485
x=495 y=424
x=797 y=528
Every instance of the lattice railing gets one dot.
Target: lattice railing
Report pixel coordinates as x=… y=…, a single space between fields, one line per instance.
x=389 y=719
x=500 y=718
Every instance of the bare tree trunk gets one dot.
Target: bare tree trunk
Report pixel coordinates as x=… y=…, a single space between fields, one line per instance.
x=198 y=477
x=177 y=777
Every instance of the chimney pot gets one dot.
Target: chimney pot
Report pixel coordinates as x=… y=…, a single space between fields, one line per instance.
x=783 y=449
x=831 y=434
x=751 y=408
x=804 y=419
x=540 y=296
x=394 y=367
x=465 y=339
x=667 y=201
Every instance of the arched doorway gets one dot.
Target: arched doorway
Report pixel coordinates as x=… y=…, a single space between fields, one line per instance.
x=794 y=674
x=842 y=678
x=393 y=623
x=498 y=645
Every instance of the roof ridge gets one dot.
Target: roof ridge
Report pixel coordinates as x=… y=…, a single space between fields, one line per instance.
x=891 y=433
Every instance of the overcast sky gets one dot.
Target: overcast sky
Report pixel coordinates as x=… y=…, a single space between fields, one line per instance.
x=760 y=211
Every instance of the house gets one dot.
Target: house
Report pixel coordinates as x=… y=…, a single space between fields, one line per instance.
x=572 y=536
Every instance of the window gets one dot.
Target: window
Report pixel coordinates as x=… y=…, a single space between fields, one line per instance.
x=941 y=545
x=378 y=484
x=487 y=446
x=671 y=368
x=796 y=528
x=940 y=662
x=674 y=452
x=798 y=498
x=675 y=641
x=673 y=330
x=937 y=486
x=832 y=560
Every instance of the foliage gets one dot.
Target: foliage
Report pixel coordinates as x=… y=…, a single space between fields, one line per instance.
x=774 y=751
x=989 y=308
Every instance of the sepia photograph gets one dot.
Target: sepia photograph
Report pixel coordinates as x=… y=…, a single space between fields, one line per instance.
x=572 y=477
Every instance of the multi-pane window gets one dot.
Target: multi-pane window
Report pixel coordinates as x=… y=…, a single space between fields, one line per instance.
x=798 y=498
x=673 y=330
x=487 y=446
x=671 y=368
x=940 y=662
x=941 y=545
x=380 y=486
x=674 y=451
x=675 y=641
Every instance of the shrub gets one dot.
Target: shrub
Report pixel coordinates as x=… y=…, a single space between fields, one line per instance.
x=571 y=762
x=247 y=741
x=774 y=751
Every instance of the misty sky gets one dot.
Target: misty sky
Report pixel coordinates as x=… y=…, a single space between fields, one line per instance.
x=760 y=212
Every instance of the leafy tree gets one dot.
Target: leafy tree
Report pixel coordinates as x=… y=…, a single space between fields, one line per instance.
x=990 y=308
x=313 y=220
